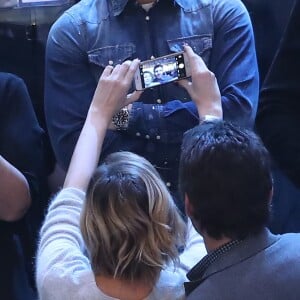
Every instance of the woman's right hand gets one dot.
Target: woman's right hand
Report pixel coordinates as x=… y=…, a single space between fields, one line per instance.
x=111 y=92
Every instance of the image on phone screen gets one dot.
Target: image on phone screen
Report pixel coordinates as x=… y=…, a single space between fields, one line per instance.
x=162 y=70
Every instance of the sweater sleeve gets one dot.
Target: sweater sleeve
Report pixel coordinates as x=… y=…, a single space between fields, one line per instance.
x=60 y=251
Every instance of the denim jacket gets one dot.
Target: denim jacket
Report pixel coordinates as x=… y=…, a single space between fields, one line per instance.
x=95 y=33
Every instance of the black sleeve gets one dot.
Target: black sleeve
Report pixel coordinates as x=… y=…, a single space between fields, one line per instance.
x=21 y=137
x=278 y=118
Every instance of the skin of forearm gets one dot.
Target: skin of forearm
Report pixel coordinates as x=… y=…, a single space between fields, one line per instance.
x=87 y=151
x=15 y=196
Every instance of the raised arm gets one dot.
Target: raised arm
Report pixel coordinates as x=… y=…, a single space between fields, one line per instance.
x=109 y=97
x=203 y=88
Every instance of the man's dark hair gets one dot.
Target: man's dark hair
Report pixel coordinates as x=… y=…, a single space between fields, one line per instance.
x=225 y=172
x=158 y=66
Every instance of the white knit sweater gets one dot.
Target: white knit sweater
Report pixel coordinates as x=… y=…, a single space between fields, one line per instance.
x=63 y=270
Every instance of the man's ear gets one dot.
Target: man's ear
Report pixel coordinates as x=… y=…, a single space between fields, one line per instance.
x=189 y=209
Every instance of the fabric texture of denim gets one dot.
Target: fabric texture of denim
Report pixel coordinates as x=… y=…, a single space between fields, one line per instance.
x=95 y=33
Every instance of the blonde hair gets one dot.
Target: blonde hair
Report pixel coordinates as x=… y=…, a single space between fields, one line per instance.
x=130 y=224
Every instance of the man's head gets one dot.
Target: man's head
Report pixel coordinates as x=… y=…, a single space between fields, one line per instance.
x=148 y=77
x=226 y=178
x=158 y=71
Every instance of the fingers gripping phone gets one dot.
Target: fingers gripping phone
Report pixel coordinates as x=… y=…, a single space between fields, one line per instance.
x=162 y=70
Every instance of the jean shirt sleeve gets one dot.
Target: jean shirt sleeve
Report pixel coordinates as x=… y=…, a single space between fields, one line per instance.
x=234 y=62
x=69 y=87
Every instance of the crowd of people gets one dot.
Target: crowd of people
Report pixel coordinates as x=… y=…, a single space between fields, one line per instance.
x=166 y=193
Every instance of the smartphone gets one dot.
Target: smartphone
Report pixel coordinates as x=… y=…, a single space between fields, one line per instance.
x=161 y=70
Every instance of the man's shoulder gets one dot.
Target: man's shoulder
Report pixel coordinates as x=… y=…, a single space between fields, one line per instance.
x=284 y=254
x=280 y=256
x=86 y=11
x=215 y=4
x=9 y=78
x=229 y=14
x=9 y=84
x=290 y=241
x=228 y=8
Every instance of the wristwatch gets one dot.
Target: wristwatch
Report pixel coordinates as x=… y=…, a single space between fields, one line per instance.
x=208 y=118
x=121 y=119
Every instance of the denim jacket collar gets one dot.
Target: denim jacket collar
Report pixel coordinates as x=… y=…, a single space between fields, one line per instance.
x=118 y=6
x=188 y=5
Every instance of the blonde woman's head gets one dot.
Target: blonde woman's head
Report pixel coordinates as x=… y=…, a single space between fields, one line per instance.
x=130 y=223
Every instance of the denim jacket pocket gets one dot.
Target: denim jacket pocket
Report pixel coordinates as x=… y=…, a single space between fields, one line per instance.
x=201 y=44
x=109 y=55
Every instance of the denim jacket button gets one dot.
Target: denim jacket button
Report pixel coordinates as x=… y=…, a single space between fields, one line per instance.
x=158 y=101
x=165 y=163
x=147 y=137
x=110 y=62
x=152 y=57
x=158 y=137
x=138 y=134
x=168 y=184
x=147 y=18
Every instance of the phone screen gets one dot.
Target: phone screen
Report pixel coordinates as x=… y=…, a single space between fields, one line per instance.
x=162 y=70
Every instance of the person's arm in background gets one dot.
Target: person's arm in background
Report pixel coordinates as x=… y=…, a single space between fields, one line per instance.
x=278 y=119
x=233 y=61
x=14 y=192
x=69 y=87
x=235 y=66
x=21 y=149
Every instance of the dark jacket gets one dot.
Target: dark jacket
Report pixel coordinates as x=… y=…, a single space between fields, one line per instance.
x=278 y=119
x=264 y=266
